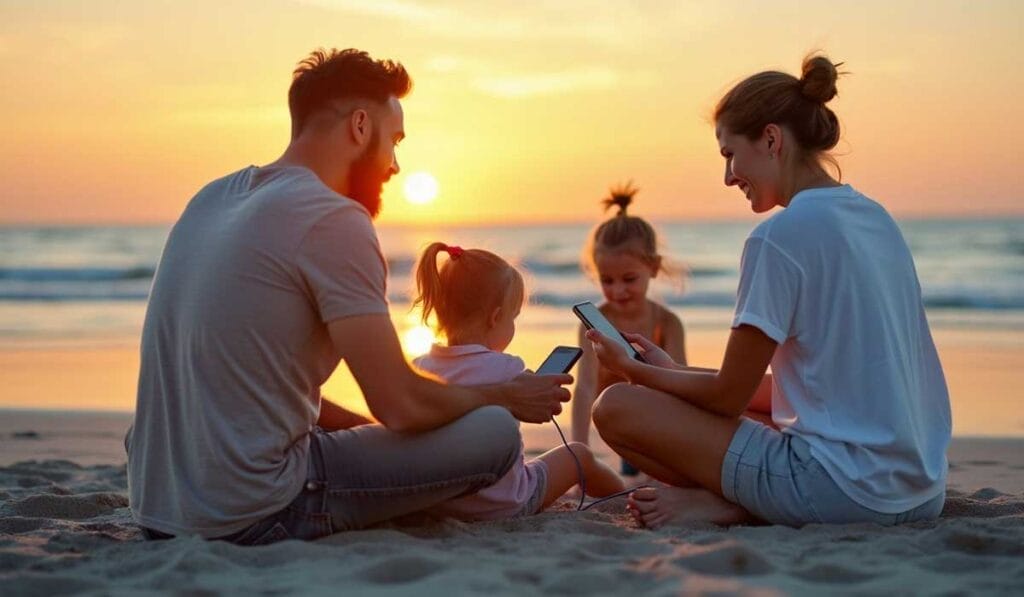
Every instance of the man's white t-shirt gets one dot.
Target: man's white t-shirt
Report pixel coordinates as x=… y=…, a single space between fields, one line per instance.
x=235 y=347
x=831 y=279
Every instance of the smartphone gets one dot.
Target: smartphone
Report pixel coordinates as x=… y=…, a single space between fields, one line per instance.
x=561 y=360
x=592 y=317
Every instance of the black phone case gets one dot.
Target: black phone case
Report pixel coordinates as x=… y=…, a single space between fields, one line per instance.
x=590 y=326
x=568 y=368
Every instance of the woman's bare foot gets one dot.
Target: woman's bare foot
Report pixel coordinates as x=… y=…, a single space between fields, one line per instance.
x=653 y=507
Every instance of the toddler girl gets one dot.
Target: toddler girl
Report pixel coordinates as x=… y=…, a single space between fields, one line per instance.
x=475 y=297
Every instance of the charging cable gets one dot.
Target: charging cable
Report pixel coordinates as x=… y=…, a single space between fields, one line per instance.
x=583 y=479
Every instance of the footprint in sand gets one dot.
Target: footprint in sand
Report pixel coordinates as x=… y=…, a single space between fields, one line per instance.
x=57 y=471
x=978 y=541
x=615 y=549
x=987 y=493
x=400 y=570
x=16 y=525
x=955 y=564
x=527 y=577
x=831 y=573
x=586 y=583
x=728 y=560
x=69 y=507
x=51 y=585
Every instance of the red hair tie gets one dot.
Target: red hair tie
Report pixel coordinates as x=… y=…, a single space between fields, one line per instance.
x=455 y=252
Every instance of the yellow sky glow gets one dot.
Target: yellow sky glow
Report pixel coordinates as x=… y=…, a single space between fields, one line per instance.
x=117 y=112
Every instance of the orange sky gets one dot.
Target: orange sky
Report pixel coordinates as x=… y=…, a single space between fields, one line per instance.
x=117 y=112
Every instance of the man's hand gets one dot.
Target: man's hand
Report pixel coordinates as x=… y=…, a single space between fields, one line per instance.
x=612 y=355
x=651 y=352
x=533 y=398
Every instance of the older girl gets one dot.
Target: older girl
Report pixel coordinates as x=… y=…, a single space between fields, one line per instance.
x=622 y=256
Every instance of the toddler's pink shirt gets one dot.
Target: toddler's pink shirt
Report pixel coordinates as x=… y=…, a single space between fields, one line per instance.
x=472 y=365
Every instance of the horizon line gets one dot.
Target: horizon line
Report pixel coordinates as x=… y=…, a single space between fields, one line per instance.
x=509 y=223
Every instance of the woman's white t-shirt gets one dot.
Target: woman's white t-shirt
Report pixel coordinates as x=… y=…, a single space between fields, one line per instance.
x=831 y=279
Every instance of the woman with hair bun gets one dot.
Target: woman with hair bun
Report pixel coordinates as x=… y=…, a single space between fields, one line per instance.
x=829 y=297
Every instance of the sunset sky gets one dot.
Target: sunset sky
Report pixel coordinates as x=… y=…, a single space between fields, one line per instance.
x=117 y=112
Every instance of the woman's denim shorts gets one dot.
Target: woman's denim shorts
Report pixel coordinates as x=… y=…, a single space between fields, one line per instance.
x=774 y=477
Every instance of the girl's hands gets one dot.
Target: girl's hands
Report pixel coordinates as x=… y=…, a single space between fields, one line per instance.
x=651 y=352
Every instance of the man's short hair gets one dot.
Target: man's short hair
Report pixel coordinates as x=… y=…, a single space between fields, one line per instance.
x=327 y=76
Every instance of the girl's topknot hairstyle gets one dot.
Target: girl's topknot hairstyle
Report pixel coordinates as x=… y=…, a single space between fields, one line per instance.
x=621 y=196
x=622 y=232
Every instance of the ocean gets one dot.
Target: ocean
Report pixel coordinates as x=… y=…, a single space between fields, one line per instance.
x=88 y=285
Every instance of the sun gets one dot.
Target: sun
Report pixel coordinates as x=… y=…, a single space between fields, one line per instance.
x=417 y=340
x=420 y=188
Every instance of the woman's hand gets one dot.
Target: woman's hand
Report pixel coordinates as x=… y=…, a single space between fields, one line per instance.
x=651 y=352
x=612 y=355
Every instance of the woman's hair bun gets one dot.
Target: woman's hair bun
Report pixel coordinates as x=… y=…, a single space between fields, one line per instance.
x=818 y=81
x=622 y=196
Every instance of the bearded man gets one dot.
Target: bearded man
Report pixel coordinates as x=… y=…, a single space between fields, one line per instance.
x=270 y=277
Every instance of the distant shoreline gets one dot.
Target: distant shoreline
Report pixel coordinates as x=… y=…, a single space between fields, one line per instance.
x=515 y=223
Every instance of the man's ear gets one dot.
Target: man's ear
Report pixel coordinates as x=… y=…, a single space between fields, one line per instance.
x=360 y=126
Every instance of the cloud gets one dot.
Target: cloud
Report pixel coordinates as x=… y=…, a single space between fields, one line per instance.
x=234 y=116
x=492 y=78
x=445 y=63
x=604 y=23
x=397 y=9
x=514 y=86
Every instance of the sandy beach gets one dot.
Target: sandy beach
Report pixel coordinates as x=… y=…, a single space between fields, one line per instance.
x=65 y=526
x=66 y=529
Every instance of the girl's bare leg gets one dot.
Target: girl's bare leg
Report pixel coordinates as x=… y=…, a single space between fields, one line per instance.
x=563 y=474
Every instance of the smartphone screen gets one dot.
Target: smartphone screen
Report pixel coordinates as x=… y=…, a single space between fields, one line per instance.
x=592 y=317
x=561 y=360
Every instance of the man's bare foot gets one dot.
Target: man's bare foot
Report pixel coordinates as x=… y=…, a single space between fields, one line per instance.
x=653 y=507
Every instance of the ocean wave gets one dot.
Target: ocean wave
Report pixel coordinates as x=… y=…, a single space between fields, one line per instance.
x=64 y=296
x=554 y=268
x=728 y=299
x=974 y=302
x=137 y=291
x=82 y=274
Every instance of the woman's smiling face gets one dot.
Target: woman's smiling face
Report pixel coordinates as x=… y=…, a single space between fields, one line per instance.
x=752 y=167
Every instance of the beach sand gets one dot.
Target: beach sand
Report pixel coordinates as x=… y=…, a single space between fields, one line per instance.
x=65 y=526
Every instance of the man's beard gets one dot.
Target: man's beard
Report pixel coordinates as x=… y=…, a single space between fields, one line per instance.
x=365 y=183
